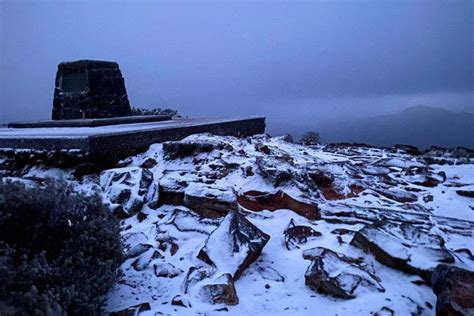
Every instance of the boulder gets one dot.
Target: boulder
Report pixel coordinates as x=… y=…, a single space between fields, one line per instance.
x=454 y=288
x=166 y=270
x=338 y=275
x=220 y=291
x=405 y=247
x=209 y=202
x=296 y=235
x=258 y=201
x=233 y=245
x=144 y=260
x=129 y=187
x=196 y=275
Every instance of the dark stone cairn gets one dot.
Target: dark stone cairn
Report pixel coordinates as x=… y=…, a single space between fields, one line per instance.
x=89 y=89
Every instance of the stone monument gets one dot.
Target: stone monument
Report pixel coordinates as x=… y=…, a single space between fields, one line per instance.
x=89 y=89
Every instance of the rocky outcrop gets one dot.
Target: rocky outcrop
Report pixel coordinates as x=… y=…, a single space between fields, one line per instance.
x=405 y=247
x=209 y=202
x=258 y=201
x=128 y=188
x=338 y=275
x=234 y=245
x=192 y=146
x=454 y=288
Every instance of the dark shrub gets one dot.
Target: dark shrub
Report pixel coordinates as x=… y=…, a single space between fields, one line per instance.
x=310 y=138
x=59 y=251
x=155 y=111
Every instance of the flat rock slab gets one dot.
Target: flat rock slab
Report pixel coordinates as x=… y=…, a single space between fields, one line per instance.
x=114 y=142
x=91 y=122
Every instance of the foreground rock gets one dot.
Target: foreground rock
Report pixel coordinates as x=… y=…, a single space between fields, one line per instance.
x=405 y=247
x=128 y=189
x=454 y=288
x=296 y=235
x=338 y=275
x=258 y=201
x=220 y=291
x=234 y=245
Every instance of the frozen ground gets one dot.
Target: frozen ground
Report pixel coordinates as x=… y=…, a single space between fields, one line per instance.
x=404 y=204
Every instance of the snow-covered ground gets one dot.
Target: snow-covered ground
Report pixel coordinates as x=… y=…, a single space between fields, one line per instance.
x=350 y=198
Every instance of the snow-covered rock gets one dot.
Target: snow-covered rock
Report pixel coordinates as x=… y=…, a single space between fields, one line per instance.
x=129 y=188
x=234 y=245
x=405 y=247
x=338 y=275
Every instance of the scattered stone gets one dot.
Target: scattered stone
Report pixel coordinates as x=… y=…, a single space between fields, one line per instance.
x=181 y=300
x=133 y=310
x=404 y=247
x=258 y=201
x=385 y=311
x=469 y=194
x=137 y=251
x=141 y=216
x=220 y=291
x=454 y=288
x=234 y=245
x=166 y=270
x=269 y=273
x=149 y=163
x=142 y=262
x=338 y=275
x=296 y=235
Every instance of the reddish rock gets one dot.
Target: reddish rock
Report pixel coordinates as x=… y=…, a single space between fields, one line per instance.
x=454 y=288
x=209 y=202
x=296 y=235
x=258 y=201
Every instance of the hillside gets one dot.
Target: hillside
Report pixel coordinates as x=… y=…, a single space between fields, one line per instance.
x=420 y=126
x=263 y=226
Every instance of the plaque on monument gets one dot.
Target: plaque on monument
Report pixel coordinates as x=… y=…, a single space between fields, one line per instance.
x=89 y=89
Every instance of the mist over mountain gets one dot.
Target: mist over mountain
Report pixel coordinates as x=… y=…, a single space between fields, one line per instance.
x=421 y=126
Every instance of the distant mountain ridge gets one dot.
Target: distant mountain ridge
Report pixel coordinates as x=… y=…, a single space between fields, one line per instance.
x=421 y=126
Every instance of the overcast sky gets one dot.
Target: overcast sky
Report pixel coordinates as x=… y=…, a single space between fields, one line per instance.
x=291 y=61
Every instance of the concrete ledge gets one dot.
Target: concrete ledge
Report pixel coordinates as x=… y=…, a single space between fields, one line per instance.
x=91 y=122
x=112 y=143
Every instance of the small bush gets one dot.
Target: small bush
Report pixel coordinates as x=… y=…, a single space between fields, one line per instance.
x=155 y=111
x=59 y=251
x=310 y=138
